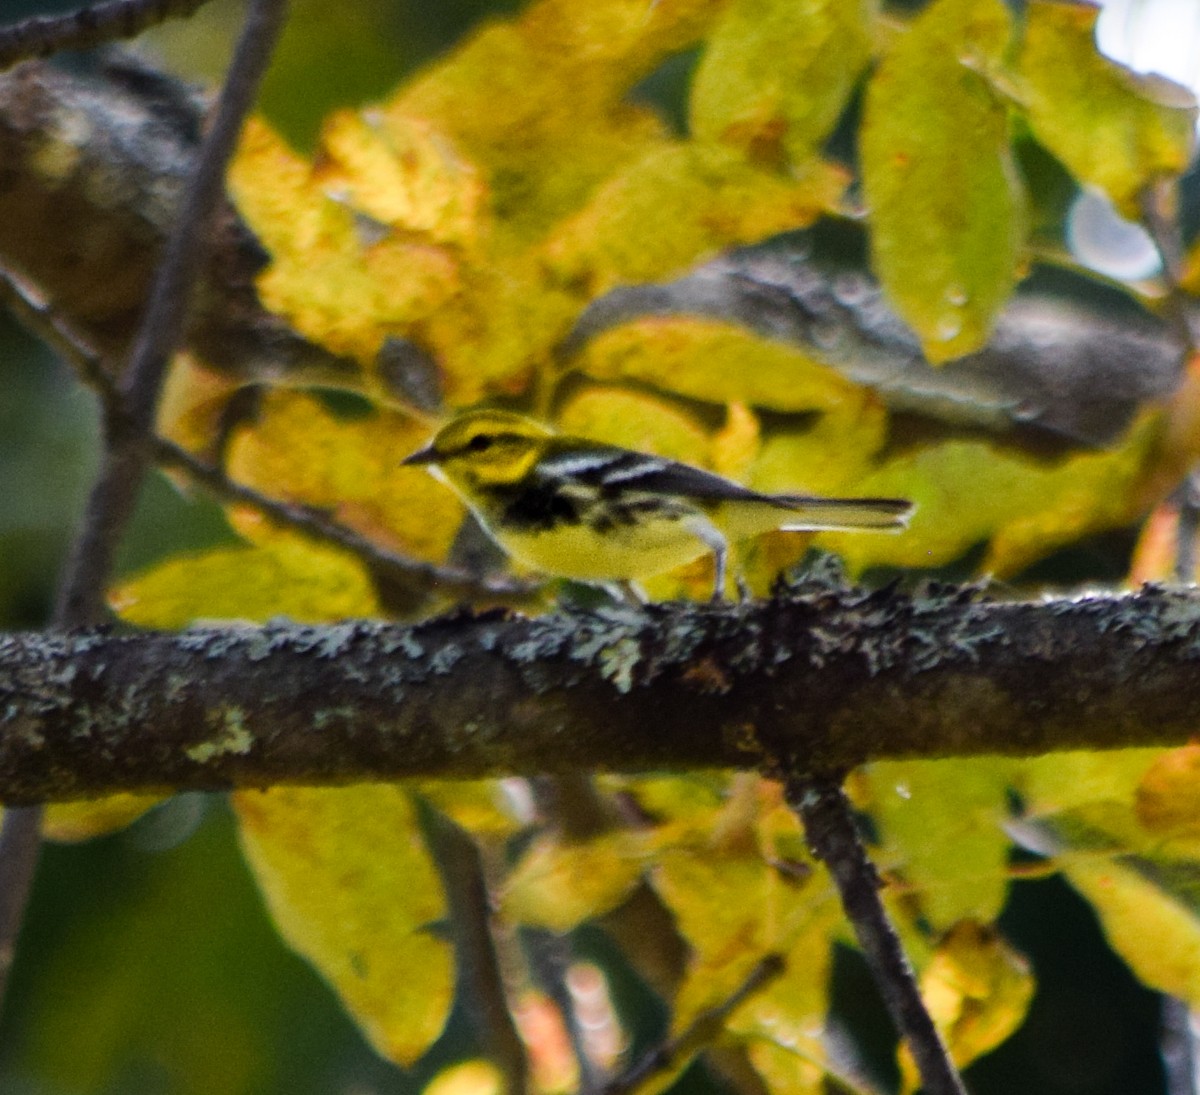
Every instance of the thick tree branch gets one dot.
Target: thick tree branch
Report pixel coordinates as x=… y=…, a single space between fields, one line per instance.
x=830 y=678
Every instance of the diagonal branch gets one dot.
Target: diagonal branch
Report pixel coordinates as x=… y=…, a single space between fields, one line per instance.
x=822 y=805
x=703 y=1030
x=88 y=26
x=414 y=577
x=127 y=428
x=831 y=678
x=129 y=418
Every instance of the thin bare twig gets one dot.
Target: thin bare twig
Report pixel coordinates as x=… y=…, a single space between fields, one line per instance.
x=414 y=576
x=20 y=844
x=40 y=36
x=128 y=422
x=1177 y=1035
x=1159 y=203
x=701 y=1032
x=128 y=443
x=829 y=827
x=1188 y=528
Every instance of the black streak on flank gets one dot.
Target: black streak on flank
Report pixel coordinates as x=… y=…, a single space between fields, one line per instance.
x=538 y=508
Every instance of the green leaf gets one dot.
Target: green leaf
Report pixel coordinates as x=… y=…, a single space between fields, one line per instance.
x=1112 y=128
x=165 y=975
x=776 y=74
x=941 y=826
x=351 y=886
x=946 y=204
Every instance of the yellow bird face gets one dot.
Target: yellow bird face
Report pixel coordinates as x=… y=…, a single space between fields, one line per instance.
x=483 y=448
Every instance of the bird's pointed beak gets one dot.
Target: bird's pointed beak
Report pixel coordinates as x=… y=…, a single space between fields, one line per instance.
x=421 y=456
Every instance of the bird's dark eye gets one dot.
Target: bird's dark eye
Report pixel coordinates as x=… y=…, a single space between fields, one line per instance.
x=481 y=442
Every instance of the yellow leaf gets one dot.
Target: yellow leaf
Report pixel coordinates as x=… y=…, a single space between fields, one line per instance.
x=1150 y=924
x=941 y=824
x=977 y=989
x=967 y=492
x=352 y=887
x=946 y=204
x=478 y=805
x=694 y=798
x=715 y=198
x=829 y=455
x=193 y=404
x=735 y=907
x=403 y=174
x=539 y=102
x=557 y=885
x=1167 y=800
x=736 y=445
x=1059 y=782
x=791 y=1064
x=67 y=822
x=776 y=74
x=297 y=451
x=1154 y=556
x=716 y=362
x=1112 y=128
x=289 y=577
x=635 y=420
x=340 y=282
x=467 y=1078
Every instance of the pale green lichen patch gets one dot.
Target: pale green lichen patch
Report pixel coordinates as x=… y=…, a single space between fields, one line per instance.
x=617 y=663
x=232 y=737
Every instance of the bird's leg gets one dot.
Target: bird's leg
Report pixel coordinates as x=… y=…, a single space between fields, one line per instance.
x=721 y=561
x=709 y=535
x=626 y=592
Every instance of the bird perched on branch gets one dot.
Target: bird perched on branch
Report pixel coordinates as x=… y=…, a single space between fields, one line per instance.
x=576 y=508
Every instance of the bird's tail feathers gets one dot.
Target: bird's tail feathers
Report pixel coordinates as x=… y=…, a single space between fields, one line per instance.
x=843 y=513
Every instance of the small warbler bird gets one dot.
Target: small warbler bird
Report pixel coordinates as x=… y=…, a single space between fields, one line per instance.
x=575 y=508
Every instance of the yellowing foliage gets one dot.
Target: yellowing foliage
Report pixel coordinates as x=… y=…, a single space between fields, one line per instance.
x=476 y=214
x=977 y=989
x=946 y=204
x=352 y=888
x=1114 y=129
x=776 y=75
